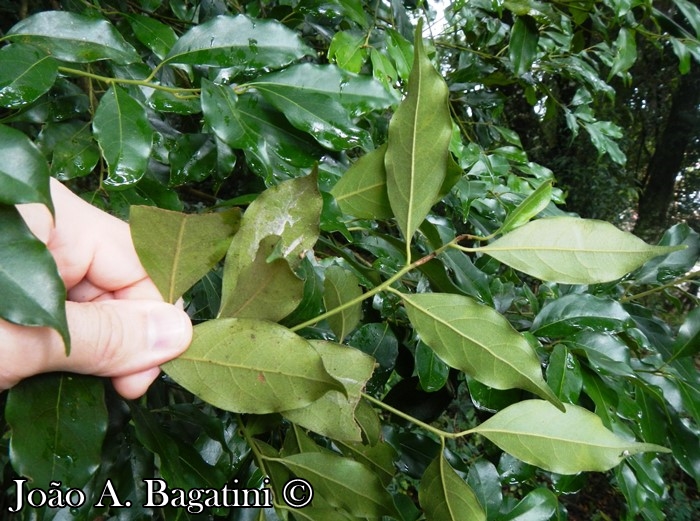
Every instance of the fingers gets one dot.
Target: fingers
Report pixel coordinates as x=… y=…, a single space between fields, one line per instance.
x=117 y=338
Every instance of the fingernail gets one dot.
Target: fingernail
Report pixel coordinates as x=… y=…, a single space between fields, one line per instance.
x=169 y=329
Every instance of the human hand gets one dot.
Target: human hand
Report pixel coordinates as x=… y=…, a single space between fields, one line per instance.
x=119 y=325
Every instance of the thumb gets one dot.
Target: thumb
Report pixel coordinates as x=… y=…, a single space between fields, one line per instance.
x=120 y=337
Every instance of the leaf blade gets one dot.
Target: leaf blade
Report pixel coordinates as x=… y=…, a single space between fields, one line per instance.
x=566 y=443
x=74 y=38
x=445 y=496
x=251 y=366
x=478 y=340
x=419 y=135
x=125 y=137
x=569 y=250
x=177 y=249
x=62 y=415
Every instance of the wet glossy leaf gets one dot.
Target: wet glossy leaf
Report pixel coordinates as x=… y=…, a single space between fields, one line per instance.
x=251 y=366
x=340 y=287
x=477 y=340
x=538 y=433
x=625 y=52
x=572 y=313
x=484 y=480
x=522 y=47
x=357 y=93
x=344 y=483
x=419 y=135
x=529 y=208
x=688 y=341
x=220 y=107
x=272 y=146
x=564 y=374
x=290 y=210
x=124 y=135
x=71 y=148
x=318 y=113
x=74 y=38
x=539 y=505
x=154 y=34
x=347 y=49
x=24 y=173
x=361 y=192
x=606 y=353
x=445 y=496
x=267 y=289
x=666 y=268
x=26 y=74
x=179 y=249
x=238 y=41
x=180 y=465
x=58 y=425
x=573 y=251
x=33 y=291
x=193 y=158
x=432 y=372
x=378 y=341
x=333 y=414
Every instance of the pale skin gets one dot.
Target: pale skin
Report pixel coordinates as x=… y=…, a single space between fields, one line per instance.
x=119 y=325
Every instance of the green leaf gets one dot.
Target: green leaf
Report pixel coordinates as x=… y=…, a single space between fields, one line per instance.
x=125 y=137
x=564 y=374
x=251 y=366
x=571 y=313
x=238 y=41
x=538 y=433
x=267 y=289
x=193 y=158
x=603 y=135
x=290 y=210
x=484 y=480
x=529 y=208
x=357 y=93
x=333 y=414
x=378 y=457
x=445 y=496
x=361 y=191
x=573 y=251
x=432 y=372
x=419 y=136
x=179 y=249
x=73 y=37
x=691 y=12
x=32 y=289
x=317 y=113
x=668 y=267
x=180 y=465
x=478 y=340
x=348 y=50
x=340 y=287
x=343 y=483
x=58 y=424
x=522 y=47
x=539 y=505
x=273 y=148
x=155 y=35
x=625 y=52
x=71 y=148
x=688 y=340
x=26 y=74
x=24 y=174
